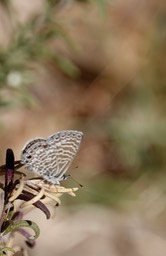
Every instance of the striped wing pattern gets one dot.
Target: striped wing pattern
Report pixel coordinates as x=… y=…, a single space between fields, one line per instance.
x=50 y=158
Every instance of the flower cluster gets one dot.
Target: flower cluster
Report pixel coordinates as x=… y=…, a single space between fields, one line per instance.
x=19 y=196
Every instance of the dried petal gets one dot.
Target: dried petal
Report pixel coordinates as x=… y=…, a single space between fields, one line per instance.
x=28 y=196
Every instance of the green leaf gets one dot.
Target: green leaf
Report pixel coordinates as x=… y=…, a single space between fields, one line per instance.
x=4 y=250
x=22 y=224
x=67 y=66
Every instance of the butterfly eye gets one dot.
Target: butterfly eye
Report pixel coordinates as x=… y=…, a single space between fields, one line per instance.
x=29 y=156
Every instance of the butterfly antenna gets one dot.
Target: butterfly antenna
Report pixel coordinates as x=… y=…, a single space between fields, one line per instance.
x=75 y=181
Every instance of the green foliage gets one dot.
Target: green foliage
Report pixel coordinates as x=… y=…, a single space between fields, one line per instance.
x=4 y=250
x=23 y=224
x=29 y=46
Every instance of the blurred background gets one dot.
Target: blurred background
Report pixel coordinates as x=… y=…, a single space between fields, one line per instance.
x=96 y=66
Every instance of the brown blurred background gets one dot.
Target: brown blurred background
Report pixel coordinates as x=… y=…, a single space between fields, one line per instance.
x=99 y=67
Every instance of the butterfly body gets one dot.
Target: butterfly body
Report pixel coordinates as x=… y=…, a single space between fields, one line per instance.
x=50 y=158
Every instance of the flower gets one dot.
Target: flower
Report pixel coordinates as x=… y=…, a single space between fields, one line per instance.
x=22 y=194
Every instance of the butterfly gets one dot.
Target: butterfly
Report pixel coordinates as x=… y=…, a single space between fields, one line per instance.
x=50 y=158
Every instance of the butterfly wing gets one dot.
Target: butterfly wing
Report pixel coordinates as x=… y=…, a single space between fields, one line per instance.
x=52 y=157
x=33 y=155
x=66 y=145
